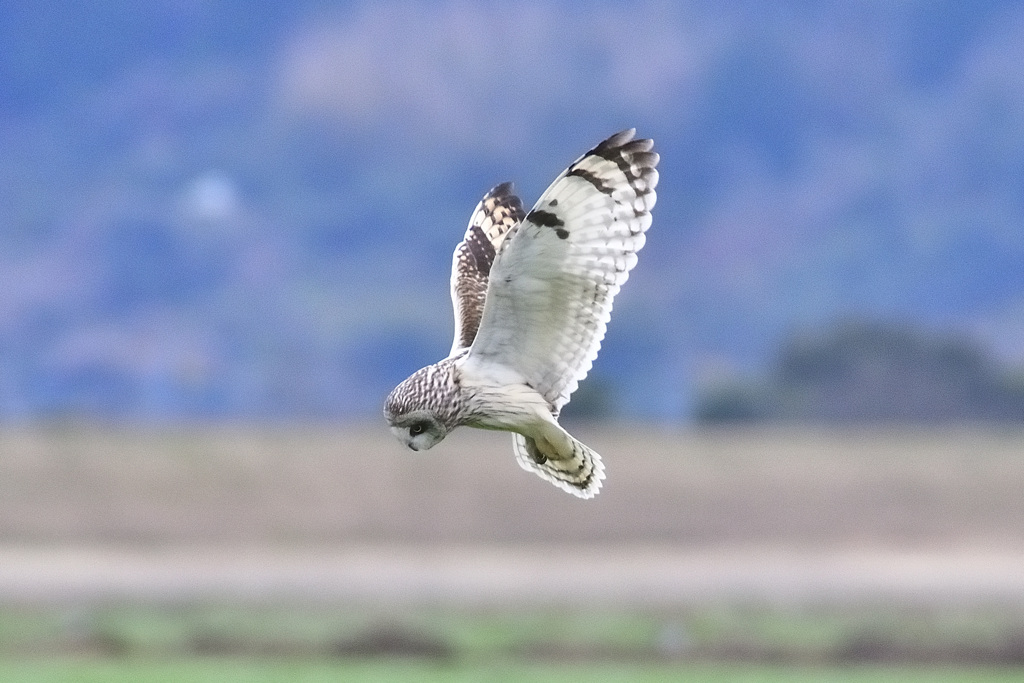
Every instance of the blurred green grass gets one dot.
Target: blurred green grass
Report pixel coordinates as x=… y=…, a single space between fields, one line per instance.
x=204 y=642
x=195 y=670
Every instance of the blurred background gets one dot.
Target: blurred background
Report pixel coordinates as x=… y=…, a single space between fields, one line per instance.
x=227 y=231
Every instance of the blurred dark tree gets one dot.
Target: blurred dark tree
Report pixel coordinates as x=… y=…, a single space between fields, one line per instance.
x=732 y=402
x=594 y=400
x=872 y=372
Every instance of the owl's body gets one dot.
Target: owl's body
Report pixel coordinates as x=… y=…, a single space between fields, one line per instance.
x=533 y=294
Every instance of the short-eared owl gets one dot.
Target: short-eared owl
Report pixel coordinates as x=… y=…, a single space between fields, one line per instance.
x=533 y=294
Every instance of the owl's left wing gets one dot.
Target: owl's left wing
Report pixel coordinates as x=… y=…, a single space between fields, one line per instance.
x=552 y=283
x=497 y=212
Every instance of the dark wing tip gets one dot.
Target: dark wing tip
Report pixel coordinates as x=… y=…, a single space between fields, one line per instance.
x=503 y=196
x=615 y=141
x=622 y=146
x=506 y=188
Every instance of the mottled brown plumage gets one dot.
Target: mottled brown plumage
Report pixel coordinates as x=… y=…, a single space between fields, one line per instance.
x=497 y=212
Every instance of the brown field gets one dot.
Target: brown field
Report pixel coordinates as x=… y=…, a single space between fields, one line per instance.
x=322 y=486
x=684 y=516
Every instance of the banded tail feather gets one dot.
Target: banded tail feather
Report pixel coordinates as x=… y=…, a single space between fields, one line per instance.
x=580 y=474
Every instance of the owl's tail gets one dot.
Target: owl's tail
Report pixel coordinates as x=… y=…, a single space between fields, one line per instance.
x=581 y=473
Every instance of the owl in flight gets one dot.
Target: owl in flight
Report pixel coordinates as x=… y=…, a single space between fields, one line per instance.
x=533 y=295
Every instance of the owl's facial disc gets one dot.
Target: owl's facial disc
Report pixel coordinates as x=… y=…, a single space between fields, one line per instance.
x=419 y=430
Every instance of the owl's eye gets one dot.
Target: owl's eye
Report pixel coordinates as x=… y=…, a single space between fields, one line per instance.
x=418 y=428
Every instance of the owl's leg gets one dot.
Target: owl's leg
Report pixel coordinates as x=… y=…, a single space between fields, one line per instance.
x=532 y=452
x=548 y=441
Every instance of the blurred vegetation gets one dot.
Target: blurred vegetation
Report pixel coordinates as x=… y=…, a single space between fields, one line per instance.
x=321 y=643
x=872 y=372
x=387 y=671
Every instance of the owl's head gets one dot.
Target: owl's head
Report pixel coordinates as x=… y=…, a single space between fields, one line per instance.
x=414 y=409
x=418 y=429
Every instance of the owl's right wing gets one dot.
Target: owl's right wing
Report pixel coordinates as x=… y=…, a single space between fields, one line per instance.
x=551 y=287
x=497 y=212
